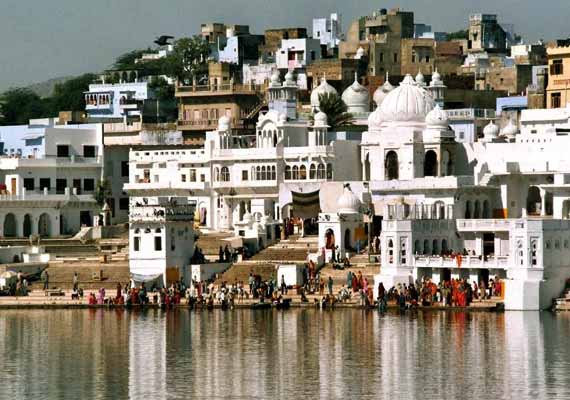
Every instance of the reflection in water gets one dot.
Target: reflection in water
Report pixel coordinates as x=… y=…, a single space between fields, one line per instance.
x=102 y=354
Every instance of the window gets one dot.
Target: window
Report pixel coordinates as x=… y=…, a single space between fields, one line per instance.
x=29 y=183
x=313 y=171
x=556 y=68
x=183 y=178
x=202 y=178
x=124 y=169
x=60 y=185
x=89 y=151
x=395 y=57
x=157 y=243
x=461 y=135
x=77 y=185
x=192 y=175
x=303 y=172
x=427 y=59
x=124 y=203
x=89 y=184
x=137 y=243
x=295 y=172
x=555 y=100
x=381 y=57
x=321 y=171
x=62 y=150
x=45 y=183
x=225 y=174
x=329 y=172
x=244 y=175
x=287 y=172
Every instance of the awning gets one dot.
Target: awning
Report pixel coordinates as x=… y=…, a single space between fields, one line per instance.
x=306 y=205
x=30 y=136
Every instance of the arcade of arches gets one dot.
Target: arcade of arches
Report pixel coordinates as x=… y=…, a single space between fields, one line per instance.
x=23 y=225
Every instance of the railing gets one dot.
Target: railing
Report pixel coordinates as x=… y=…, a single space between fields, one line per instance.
x=59 y=160
x=48 y=194
x=489 y=262
x=209 y=123
x=219 y=89
x=486 y=225
x=151 y=213
x=122 y=127
x=470 y=113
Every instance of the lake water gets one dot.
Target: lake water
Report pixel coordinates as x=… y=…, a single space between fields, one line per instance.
x=269 y=354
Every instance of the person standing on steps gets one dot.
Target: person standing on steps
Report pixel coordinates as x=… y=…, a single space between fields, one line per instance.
x=330 y=285
x=75 y=282
x=45 y=279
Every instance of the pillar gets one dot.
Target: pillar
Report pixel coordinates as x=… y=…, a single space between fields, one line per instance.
x=542 y=202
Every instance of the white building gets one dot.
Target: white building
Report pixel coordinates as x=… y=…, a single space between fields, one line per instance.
x=328 y=30
x=49 y=177
x=107 y=102
x=295 y=54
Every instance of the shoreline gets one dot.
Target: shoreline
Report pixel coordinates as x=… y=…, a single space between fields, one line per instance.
x=495 y=308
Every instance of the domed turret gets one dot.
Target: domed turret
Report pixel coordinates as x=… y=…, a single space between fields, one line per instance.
x=374 y=121
x=420 y=79
x=348 y=202
x=356 y=98
x=223 y=123
x=290 y=79
x=322 y=89
x=407 y=103
x=437 y=118
x=382 y=91
x=490 y=132
x=510 y=131
x=436 y=79
x=321 y=120
x=275 y=79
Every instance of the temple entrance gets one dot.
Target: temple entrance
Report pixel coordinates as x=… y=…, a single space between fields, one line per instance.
x=430 y=163
x=533 y=201
x=85 y=218
x=445 y=275
x=488 y=244
x=329 y=236
x=391 y=165
x=347 y=242
x=44 y=225
x=10 y=225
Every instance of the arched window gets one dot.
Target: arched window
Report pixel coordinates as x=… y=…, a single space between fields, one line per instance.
x=313 y=171
x=295 y=172
x=430 y=163
x=477 y=210
x=435 y=247
x=444 y=246
x=273 y=173
x=426 y=246
x=417 y=247
x=263 y=174
x=486 y=209
x=257 y=173
x=225 y=174
x=391 y=165
x=390 y=251
x=329 y=172
x=321 y=171
x=303 y=172
x=287 y=172
x=533 y=201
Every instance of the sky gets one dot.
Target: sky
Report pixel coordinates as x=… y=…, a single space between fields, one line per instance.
x=42 y=39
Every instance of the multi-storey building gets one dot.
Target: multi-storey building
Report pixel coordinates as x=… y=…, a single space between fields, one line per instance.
x=557 y=94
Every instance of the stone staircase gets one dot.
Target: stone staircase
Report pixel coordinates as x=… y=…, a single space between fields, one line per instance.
x=563 y=303
x=210 y=243
x=61 y=275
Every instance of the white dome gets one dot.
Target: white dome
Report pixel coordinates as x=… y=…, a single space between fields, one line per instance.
x=348 y=202
x=323 y=88
x=437 y=117
x=420 y=79
x=382 y=91
x=356 y=98
x=275 y=79
x=359 y=53
x=321 y=120
x=436 y=79
x=374 y=121
x=510 y=131
x=289 y=79
x=491 y=131
x=408 y=102
x=224 y=123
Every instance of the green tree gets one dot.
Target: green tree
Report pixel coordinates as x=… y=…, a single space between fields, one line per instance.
x=127 y=61
x=188 y=60
x=69 y=95
x=19 y=105
x=102 y=191
x=336 y=110
x=461 y=34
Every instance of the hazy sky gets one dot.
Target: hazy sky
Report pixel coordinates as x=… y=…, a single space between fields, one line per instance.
x=42 y=39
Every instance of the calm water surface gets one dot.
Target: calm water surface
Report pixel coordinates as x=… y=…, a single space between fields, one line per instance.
x=302 y=354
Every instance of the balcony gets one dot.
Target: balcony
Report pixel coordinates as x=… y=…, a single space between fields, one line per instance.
x=207 y=124
x=48 y=195
x=162 y=213
x=218 y=90
x=121 y=127
x=49 y=161
x=483 y=225
x=490 y=262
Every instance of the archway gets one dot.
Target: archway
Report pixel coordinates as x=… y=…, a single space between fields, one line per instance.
x=477 y=211
x=44 y=225
x=329 y=236
x=391 y=165
x=367 y=168
x=548 y=203
x=347 y=242
x=533 y=201
x=566 y=209
x=426 y=247
x=417 y=245
x=445 y=164
x=468 y=209
x=430 y=163
x=10 y=225
x=435 y=247
x=439 y=209
x=27 y=225
x=486 y=209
